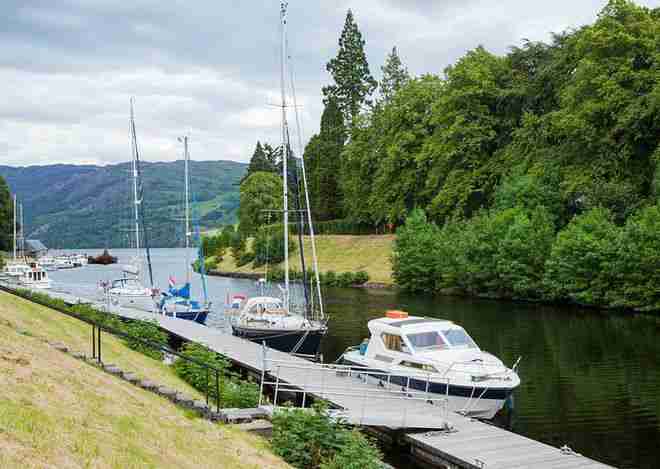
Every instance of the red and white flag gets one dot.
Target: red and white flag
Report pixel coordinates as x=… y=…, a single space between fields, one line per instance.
x=172 y=282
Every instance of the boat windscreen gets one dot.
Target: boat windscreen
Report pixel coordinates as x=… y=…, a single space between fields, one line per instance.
x=458 y=338
x=427 y=341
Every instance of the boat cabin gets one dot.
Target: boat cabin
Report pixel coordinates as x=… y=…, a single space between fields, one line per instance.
x=416 y=342
x=127 y=283
x=260 y=305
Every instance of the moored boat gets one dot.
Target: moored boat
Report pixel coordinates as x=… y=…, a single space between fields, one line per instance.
x=35 y=277
x=437 y=357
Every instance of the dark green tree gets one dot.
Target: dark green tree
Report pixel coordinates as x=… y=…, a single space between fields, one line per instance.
x=353 y=83
x=273 y=154
x=395 y=75
x=323 y=161
x=260 y=192
x=260 y=161
x=6 y=216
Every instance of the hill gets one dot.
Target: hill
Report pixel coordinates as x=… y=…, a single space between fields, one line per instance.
x=57 y=411
x=78 y=206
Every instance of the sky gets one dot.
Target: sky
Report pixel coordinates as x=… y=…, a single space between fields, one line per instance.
x=210 y=68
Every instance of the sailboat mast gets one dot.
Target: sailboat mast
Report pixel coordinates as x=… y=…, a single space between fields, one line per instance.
x=186 y=159
x=285 y=157
x=136 y=201
x=15 y=226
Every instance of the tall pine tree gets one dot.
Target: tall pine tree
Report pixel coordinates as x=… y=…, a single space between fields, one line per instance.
x=353 y=83
x=395 y=75
x=323 y=163
x=260 y=161
x=6 y=216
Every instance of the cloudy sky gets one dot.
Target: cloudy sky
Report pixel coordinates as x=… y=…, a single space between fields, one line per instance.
x=210 y=68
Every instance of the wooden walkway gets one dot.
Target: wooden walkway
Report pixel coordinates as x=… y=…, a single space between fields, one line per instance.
x=454 y=440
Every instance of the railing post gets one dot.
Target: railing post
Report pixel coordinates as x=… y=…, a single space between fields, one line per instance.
x=100 y=359
x=263 y=371
x=207 y=385
x=217 y=391
x=93 y=340
x=277 y=385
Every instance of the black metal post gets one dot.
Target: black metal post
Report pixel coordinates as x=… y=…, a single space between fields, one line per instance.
x=100 y=361
x=217 y=391
x=207 y=386
x=93 y=340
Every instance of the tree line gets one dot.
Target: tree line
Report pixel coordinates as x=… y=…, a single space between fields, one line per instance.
x=535 y=175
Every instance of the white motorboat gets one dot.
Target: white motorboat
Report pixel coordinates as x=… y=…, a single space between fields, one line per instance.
x=48 y=262
x=437 y=357
x=128 y=292
x=64 y=262
x=35 y=277
x=15 y=269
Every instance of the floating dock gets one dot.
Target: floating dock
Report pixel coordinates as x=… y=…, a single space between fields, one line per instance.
x=436 y=437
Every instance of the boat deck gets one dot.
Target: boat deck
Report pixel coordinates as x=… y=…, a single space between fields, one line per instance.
x=454 y=440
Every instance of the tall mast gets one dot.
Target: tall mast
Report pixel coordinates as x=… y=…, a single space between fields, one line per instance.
x=186 y=159
x=308 y=210
x=15 y=226
x=285 y=157
x=21 y=238
x=136 y=200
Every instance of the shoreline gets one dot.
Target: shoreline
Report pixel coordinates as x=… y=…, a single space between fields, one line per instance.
x=369 y=285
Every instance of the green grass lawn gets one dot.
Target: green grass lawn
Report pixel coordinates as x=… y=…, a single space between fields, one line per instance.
x=57 y=411
x=339 y=253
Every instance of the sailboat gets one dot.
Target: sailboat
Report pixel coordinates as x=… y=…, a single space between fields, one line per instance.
x=128 y=290
x=177 y=302
x=17 y=267
x=273 y=320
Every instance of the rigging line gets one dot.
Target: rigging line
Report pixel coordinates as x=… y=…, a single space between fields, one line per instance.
x=306 y=191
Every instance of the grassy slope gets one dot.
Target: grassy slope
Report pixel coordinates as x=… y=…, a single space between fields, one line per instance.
x=57 y=411
x=341 y=253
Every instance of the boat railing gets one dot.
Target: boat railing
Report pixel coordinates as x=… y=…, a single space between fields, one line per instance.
x=295 y=378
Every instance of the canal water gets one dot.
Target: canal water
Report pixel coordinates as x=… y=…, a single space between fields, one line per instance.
x=590 y=380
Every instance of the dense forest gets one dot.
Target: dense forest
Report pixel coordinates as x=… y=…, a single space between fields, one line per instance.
x=531 y=175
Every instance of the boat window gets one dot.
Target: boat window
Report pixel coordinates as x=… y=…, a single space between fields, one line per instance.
x=458 y=338
x=394 y=342
x=431 y=340
x=419 y=366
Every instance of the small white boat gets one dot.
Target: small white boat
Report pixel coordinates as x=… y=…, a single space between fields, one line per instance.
x=35 y=277
x=128 y=292
x=437 y=357
x=15 y=269
x=48 y=262
x=78 y=260
x=63 y=262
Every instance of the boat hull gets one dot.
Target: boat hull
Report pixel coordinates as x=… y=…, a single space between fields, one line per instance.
x=141 y=302
x=284 y=340
x=474 y=401
x=197 y=316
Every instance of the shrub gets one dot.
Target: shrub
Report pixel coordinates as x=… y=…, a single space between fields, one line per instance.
x=233 y=392
x=149 y=331
x=582 y=259
x=308 y=438
x=268 y=247
x=414 y=265
x=360 y=277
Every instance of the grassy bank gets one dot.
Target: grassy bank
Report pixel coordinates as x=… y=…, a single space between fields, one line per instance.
x=339 y=253
x=57 y=411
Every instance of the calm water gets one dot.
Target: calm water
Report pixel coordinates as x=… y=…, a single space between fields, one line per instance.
x=589 y=380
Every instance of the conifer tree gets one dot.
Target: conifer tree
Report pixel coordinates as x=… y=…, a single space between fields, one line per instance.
x=353 y=83
x=323 y=163
x=259 y=161
x=395 y=75
x=6 y=216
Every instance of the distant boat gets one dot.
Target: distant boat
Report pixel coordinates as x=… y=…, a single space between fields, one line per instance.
x=103 y=259
x=178 y=302
x=276 y=321
x=128 y=291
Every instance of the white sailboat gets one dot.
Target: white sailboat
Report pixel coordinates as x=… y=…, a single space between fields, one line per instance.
x=129 y=291
x=17 y=266
x=178 y=302
x=274 y=320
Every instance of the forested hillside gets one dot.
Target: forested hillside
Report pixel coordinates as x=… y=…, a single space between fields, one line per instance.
x=531 y=175
x=69 y=206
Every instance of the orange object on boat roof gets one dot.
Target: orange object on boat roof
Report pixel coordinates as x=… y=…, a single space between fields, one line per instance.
x=396 y=314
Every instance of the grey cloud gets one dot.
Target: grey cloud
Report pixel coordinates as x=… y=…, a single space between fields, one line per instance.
x=211 y=68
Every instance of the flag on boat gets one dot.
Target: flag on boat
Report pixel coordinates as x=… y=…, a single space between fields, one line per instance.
x=172 y=282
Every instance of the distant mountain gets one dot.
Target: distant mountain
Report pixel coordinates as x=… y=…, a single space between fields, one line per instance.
x=85 y=206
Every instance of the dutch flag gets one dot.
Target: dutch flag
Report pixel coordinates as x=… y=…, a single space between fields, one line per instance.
x=172 y=282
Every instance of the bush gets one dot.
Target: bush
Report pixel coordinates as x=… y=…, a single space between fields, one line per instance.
x=268 y=247
x=233 y=392
x=308 y=438
x=146 y=330
x=414 y=264
x=638 y=262
x=331 y=227
x=580 y=266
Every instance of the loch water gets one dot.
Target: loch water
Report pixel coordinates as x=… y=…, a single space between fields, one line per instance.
x=590 y=379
